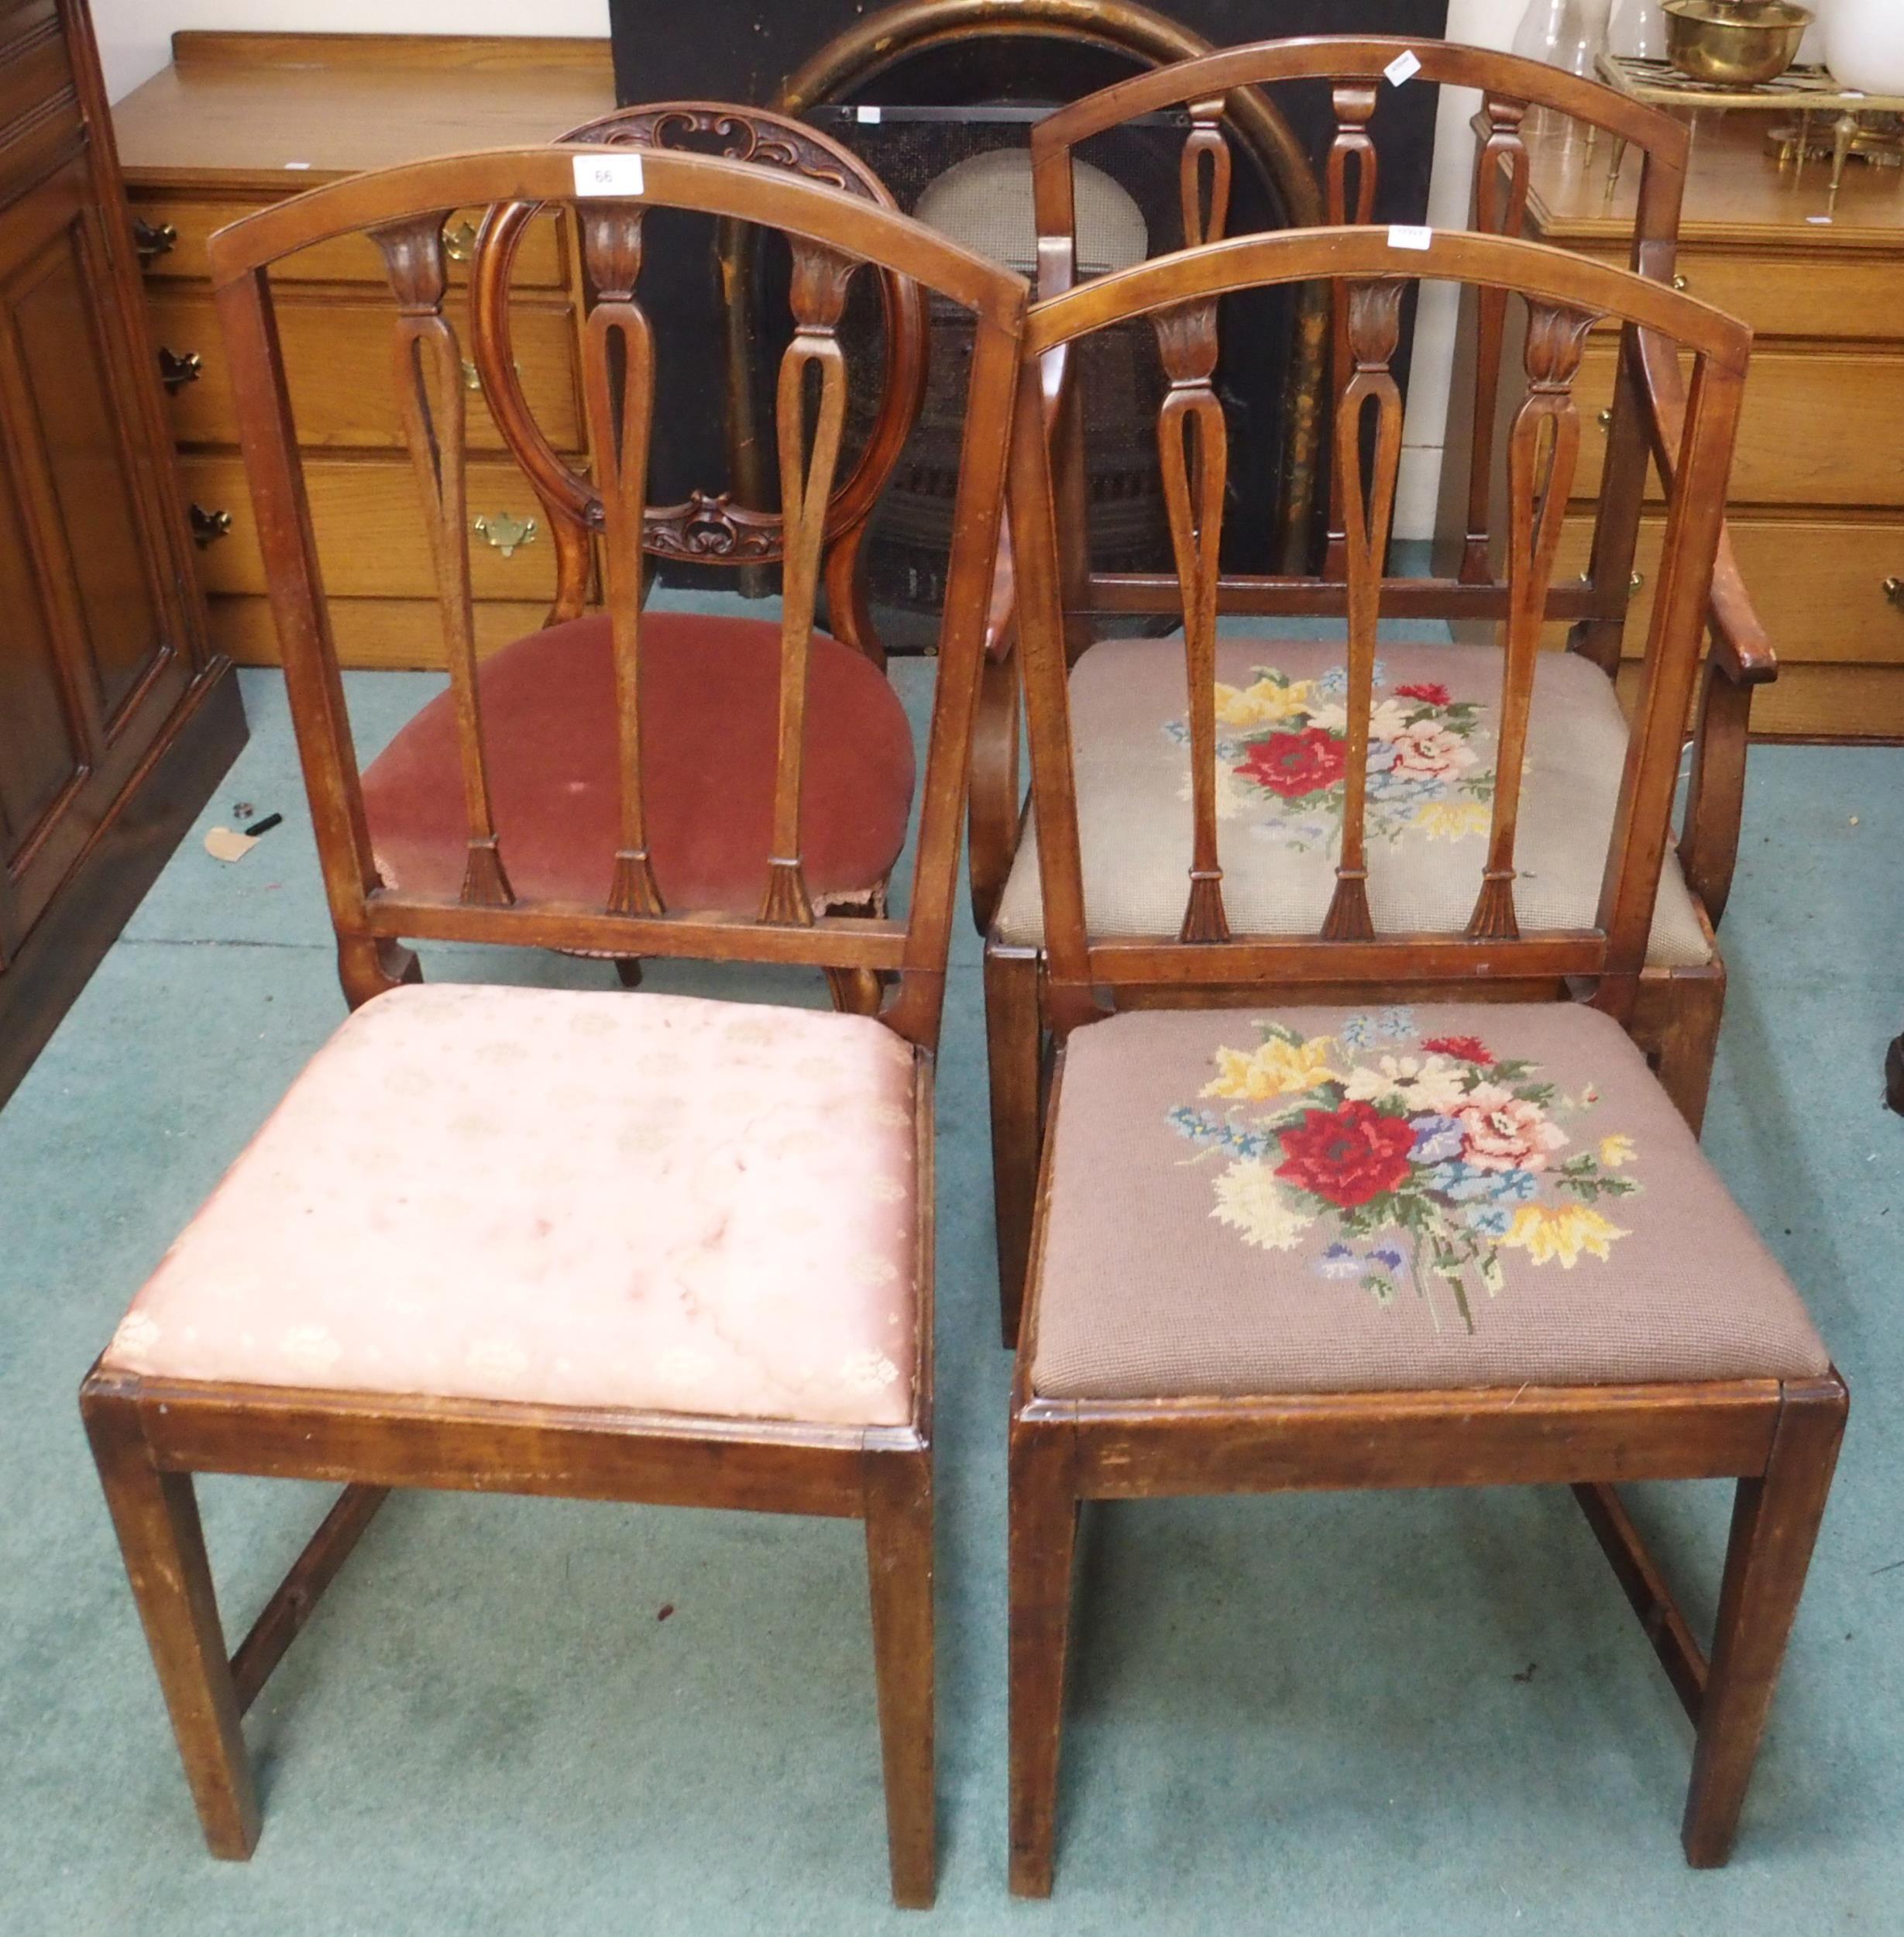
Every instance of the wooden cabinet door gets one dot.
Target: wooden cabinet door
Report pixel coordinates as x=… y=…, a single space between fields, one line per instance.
x=93 y=654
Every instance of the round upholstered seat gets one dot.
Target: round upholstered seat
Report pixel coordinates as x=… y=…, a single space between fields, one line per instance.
x=710 y=700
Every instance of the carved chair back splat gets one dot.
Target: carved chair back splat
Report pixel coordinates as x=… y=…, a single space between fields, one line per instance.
x=632 y=915
x=1355 y=70
x=1565 y=297
x=707 y=527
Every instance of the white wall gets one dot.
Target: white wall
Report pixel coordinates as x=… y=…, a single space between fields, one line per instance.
x=1482 y=23
x=136 y=35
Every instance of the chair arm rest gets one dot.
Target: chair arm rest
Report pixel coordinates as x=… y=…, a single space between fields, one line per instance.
x=1715 y=800
x=1742 y=649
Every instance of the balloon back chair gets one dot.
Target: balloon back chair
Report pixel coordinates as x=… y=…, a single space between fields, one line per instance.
x=554 y=747
x=708 y=527
x=1344 y=1198
x=605 y=1246
x=1682 y=990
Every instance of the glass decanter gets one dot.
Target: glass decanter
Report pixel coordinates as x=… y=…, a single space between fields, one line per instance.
x=1564 y=33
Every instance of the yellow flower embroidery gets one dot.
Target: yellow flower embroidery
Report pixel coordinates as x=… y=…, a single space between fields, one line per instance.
x=1278 y=1068
x=1563 y=1233
x=1616 y=1152
x=1263 y=703
x=1451 y=820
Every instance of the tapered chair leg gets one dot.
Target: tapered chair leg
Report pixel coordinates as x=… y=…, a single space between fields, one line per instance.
x=156 y=1517
x=1774 y=1523
x=1043 y=1542
x=899 y=1564
x=1012 y=1043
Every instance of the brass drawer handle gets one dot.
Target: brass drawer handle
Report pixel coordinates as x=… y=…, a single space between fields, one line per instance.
x=472 y=377
x=1605 y=420
x=1893 y=591
x=1638 y=581
x=152 y=240
x=506 y=531
x=460 y=241
x=1681 y=284
x=208 y=527
x=176 y=371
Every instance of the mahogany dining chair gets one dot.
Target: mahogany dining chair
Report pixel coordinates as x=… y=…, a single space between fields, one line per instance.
x=1336 y=1194
x=594 y=1245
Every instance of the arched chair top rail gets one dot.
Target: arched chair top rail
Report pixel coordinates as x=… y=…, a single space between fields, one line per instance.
x=1533 y=270
x=706 y=183
x=1352 y=58
x=883 y=39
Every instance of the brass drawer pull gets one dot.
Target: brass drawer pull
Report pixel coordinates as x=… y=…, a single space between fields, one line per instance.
x=472 y=377
x=506 y=531
x=1680 y=283
x=1605 y=420
x=208 y=527
x=152 y=240
x=460 y=241
x=1893 y=591
x=176 y=371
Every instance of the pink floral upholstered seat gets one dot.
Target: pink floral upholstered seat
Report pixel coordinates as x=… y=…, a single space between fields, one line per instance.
x=658 y=1203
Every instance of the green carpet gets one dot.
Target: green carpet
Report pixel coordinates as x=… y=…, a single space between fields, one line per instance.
x=1413 y=1713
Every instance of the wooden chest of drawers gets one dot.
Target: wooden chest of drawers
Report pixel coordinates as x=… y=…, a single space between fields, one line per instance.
x=240 y=120
x=116 y=720
x=1817 y=498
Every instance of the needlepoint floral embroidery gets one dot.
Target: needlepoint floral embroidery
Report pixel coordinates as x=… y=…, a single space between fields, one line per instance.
x=1423 y=1161
x=1282 y=755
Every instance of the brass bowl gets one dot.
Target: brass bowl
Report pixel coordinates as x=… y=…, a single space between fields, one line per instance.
x=1734 y=43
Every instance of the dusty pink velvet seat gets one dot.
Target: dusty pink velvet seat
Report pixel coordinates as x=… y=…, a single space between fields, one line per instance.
x=654 y=1203
x=709 y=697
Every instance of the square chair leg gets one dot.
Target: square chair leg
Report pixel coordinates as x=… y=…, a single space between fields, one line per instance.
x=156 y=1515
x=899 y=1566
x=1775 y=1524
x=1043 y=1541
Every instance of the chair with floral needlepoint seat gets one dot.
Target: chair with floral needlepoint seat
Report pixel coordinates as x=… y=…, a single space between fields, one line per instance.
x=1279 y=741
x=1366 y=1206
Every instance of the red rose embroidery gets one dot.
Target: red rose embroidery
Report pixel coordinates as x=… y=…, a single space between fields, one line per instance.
x=1429 y=692
x=1467 y=1049
x=1347 y=1156
x=1294 y=764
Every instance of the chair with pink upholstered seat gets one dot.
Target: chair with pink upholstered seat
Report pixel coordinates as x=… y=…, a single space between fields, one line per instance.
x=603 y=1245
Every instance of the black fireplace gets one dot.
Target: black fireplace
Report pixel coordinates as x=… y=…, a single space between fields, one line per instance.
x=928 y=123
